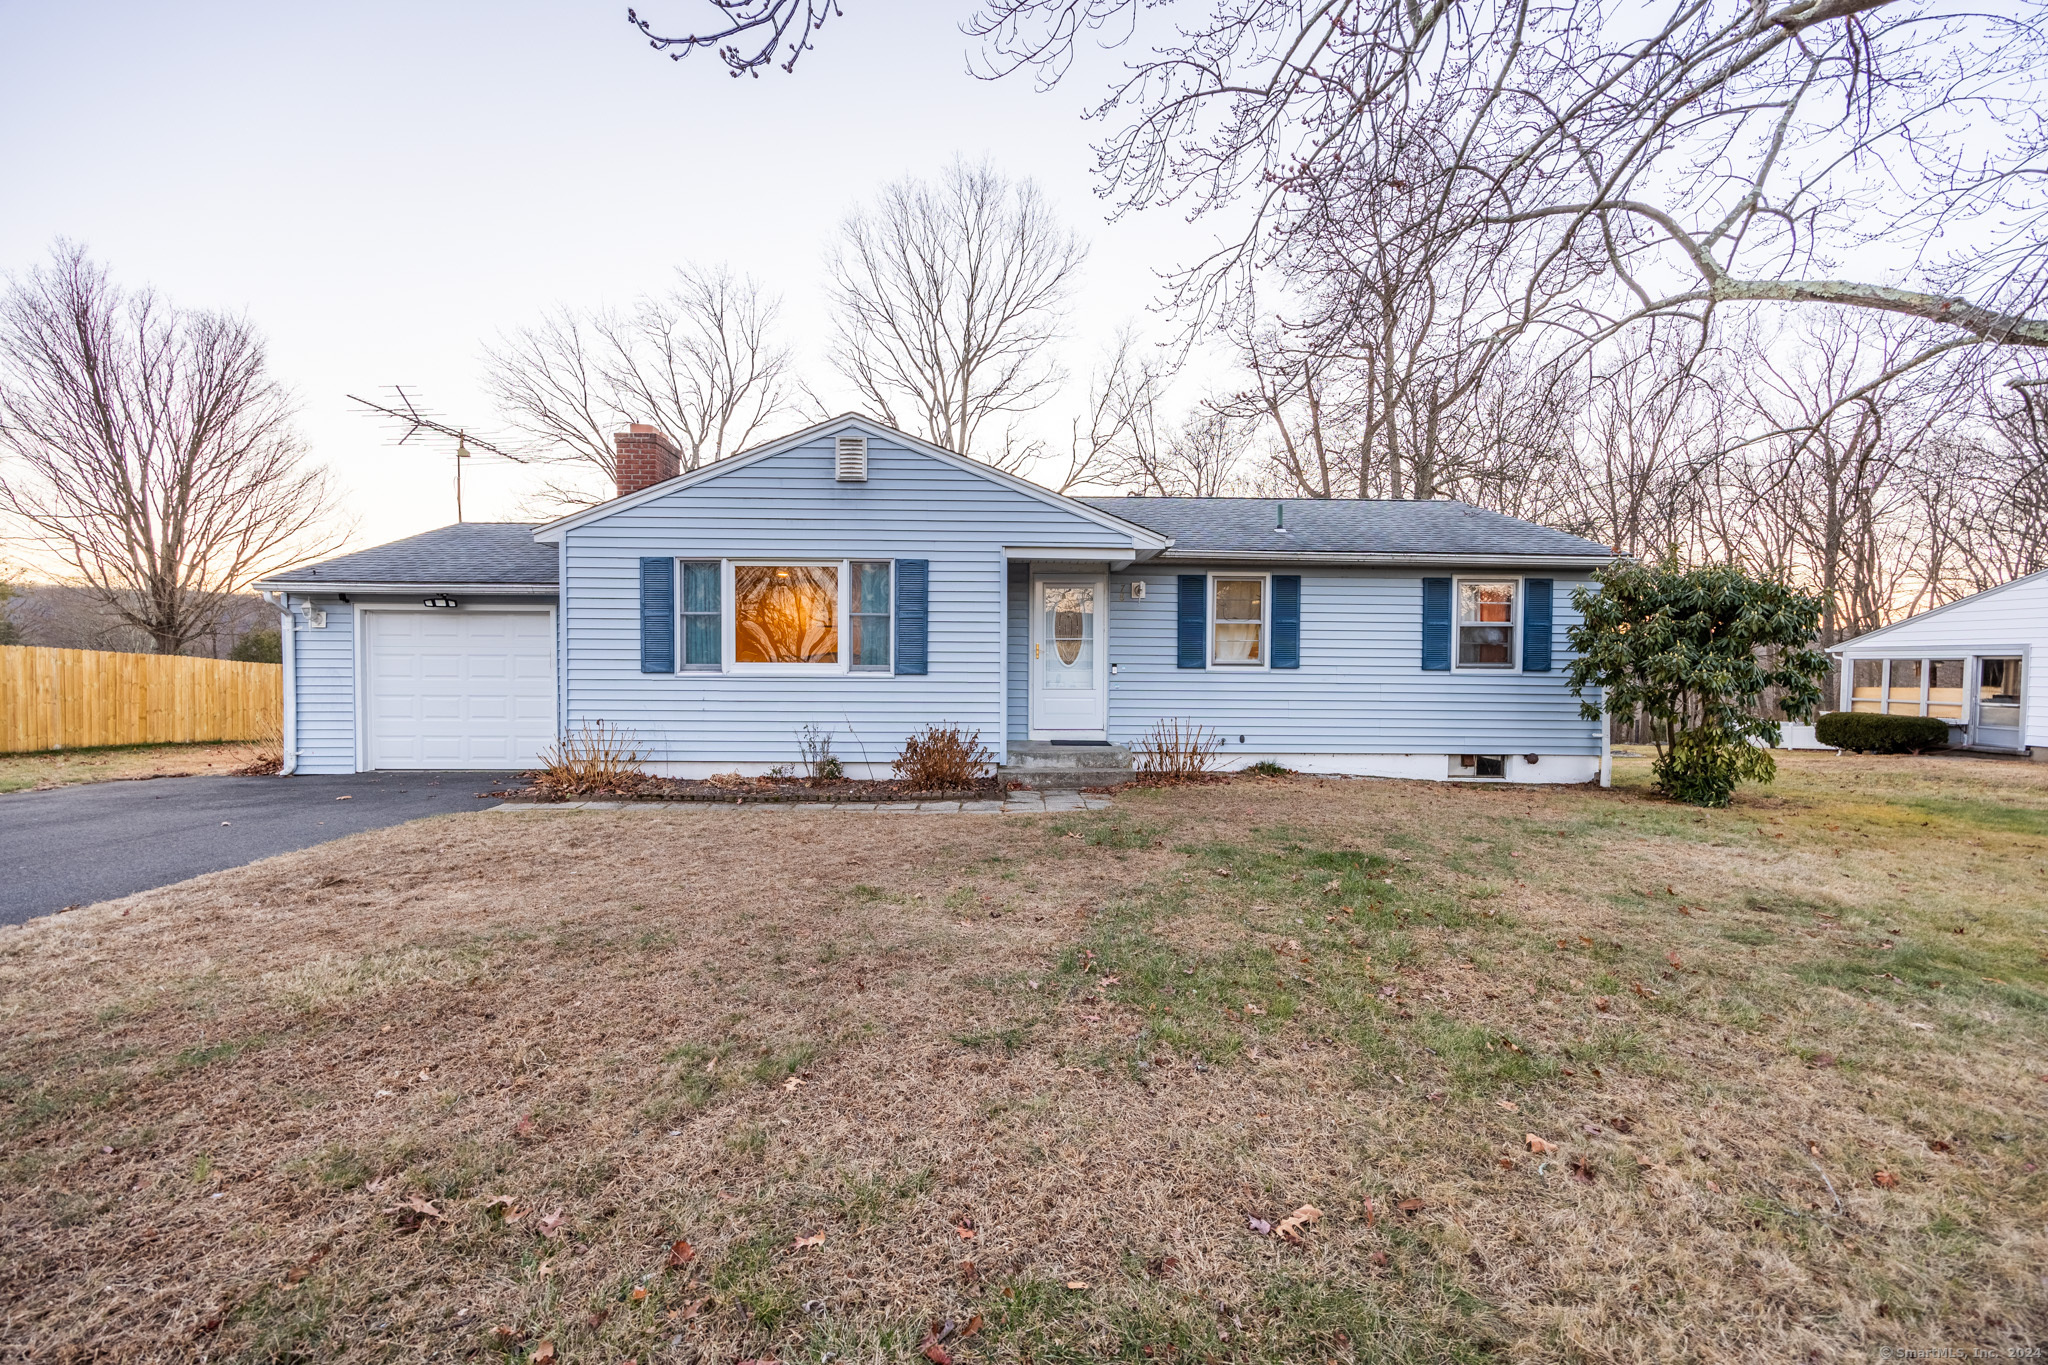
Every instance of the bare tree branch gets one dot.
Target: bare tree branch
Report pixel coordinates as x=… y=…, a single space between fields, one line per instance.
x=702 y=361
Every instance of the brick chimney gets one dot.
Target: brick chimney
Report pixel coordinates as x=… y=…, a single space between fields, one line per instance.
x=645 y=457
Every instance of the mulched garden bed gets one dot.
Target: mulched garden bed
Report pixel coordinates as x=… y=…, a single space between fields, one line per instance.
x=743 y=790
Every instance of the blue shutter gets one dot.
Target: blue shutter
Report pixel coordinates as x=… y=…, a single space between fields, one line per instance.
x=1436 y=625
x=1287 y=620
x=1536 y=625
x=1194 y=620
x=657 y=615
x=913 y=615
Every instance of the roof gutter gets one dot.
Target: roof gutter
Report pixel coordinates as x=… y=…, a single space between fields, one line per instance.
x=476 y=589
x=1432 y=559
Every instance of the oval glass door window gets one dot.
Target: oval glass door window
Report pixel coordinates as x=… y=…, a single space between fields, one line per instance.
x=1070 y=630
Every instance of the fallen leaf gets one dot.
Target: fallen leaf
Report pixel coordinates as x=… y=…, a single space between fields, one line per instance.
x=974 y=1325
x=1110 y=981
x=639 y=1293
x=414 y=1212
x=1507 y=1163
x=544 y=1354
x=1508 y=1105
x=970 y=1273
x=1159 y=1266
x=1621 y=1123
x=816 y=1239
x=1290 y=1228
x=1601 y=1002
x=552 y=1224
x=1333 y=884
x=344 y=798
x=1077 y=1284
x=1582 y=1170
x=1885 y=1180
x=680 y=1255
x=1250 y=1008
x=1378 y=1258
x=1259 y=1225
x=523 y=1128
x=935 y=1353
x=1411 y=1207
x=793 y=1082
x=965 y=1227
x=1937 y=1145
x=1537 y=1144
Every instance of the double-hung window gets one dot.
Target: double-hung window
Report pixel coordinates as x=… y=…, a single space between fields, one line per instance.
x=868 y=611
x=703 y=623
x=1486 y=623
x=1238 y=620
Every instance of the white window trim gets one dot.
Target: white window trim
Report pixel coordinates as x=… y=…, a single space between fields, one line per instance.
x=728 y=611
x=1514 y=624
x=1265 y=659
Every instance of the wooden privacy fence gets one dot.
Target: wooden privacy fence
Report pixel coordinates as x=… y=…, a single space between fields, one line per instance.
x=83 y=698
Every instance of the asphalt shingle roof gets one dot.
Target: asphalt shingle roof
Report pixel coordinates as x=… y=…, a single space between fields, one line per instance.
x=1342 y=526
x=467 y=552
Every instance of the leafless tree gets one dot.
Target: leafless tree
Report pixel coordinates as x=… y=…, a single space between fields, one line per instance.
x=701 y=360
x=1122 y=403
x=1650 y=438
x=948 y=298
x=152 y=453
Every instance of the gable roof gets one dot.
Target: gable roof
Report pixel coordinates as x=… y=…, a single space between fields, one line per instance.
x=1143 y=539
x=1349 y=529
x=473 y=554
x=1858 y=641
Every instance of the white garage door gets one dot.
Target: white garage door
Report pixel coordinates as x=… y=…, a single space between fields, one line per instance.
x=459 y=689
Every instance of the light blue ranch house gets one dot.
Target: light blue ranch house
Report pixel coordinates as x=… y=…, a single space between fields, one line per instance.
x=862 y=581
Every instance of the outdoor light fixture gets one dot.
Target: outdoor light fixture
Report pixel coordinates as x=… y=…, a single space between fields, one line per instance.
x=440 y=602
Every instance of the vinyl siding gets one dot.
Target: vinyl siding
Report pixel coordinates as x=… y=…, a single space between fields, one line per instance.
x=325 y=675
x=1360 y=688
x=911 y=507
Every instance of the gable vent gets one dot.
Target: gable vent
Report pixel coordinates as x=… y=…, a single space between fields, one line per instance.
x=852 y=464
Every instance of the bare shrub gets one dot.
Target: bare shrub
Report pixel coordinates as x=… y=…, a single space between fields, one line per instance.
x=820 y=763
x=1177 y=751
x=942 y=758
x=268 y=760
x=594 y=759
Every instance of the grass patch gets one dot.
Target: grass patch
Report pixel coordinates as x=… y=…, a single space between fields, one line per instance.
x=1204 y=1006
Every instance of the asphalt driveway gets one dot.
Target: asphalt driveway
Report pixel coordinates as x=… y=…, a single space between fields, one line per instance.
x=77 y=845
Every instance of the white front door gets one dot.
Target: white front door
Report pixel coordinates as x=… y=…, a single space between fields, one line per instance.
x=457 y=689
x=1069 y=658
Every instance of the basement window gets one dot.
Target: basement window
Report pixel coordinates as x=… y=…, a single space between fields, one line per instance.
x=1480 y=765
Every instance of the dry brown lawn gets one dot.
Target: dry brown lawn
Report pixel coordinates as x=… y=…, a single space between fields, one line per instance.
x=67 y=767
x=455 y=1090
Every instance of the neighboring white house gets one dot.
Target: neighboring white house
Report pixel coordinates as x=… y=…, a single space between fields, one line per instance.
x=1971 y=663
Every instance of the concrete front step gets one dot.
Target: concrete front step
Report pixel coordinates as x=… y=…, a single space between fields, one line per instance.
x=1066 y=767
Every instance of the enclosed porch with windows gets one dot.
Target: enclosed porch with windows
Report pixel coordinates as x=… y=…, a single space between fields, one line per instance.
x=1980 y=695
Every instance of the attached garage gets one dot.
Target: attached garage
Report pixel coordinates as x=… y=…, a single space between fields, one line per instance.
x=457 y=689
x=434 y=652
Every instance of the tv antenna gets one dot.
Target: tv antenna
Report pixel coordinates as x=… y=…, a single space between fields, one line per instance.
x=406 y=409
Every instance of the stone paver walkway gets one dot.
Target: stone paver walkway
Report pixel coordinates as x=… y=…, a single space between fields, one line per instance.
x=1013 y=803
